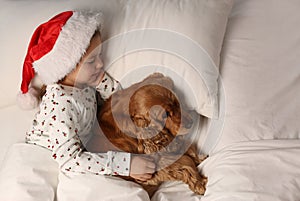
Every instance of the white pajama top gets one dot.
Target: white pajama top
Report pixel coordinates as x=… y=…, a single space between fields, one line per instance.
x=63 y=125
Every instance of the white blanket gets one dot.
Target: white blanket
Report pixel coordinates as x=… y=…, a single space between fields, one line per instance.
x=257 y=170
x=29 y=174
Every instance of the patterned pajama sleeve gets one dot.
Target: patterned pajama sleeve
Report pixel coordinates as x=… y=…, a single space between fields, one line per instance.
x=108 y=86
x=68 y=151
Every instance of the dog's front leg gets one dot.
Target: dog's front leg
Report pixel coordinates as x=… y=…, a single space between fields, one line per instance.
x=183 y=169
x=193 y=153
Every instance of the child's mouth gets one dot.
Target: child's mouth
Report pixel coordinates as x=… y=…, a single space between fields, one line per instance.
x=98 y=77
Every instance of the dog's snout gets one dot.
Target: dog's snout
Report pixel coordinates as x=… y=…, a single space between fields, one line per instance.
x=187 y=120
x=189 y=123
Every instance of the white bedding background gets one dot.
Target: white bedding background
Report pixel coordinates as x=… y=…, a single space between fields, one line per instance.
x=256 y=156
x=254 y=146
x=260 y=72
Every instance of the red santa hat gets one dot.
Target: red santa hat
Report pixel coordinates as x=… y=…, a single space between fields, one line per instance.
x=55 y=49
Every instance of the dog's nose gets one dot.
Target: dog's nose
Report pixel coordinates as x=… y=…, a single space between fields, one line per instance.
x=189 y=123
x=187 y=120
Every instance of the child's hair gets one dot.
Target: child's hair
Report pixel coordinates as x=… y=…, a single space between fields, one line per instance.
x=42 y=91
x=52 y=53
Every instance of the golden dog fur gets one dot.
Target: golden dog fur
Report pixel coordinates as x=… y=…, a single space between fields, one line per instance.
x=147 y=118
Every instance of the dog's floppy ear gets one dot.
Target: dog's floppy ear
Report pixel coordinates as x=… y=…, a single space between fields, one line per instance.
x=140 y=121
x=168 y=83
x=159 y=79
x=125 y=125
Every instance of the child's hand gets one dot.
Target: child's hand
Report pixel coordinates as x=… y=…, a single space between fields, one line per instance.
x=141 y=168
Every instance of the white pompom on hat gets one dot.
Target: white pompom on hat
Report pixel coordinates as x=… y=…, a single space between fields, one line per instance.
x=55 y=48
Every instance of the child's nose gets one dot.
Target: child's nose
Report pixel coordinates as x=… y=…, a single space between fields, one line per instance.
x=99 y=63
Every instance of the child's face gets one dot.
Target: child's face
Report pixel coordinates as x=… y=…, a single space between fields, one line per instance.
x=89 y=70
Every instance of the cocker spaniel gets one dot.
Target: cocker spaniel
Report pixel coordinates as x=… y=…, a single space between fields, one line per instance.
x=147 y=118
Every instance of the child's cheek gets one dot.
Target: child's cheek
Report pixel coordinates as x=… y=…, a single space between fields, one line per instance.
x=87 y=69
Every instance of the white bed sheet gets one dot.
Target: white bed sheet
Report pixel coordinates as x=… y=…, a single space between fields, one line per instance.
x=14 y=124
x=264 y=170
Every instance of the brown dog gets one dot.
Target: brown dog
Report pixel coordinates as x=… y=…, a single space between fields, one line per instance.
x=147 y=118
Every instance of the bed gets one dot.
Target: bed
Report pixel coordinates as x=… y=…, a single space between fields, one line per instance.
x=245 y=90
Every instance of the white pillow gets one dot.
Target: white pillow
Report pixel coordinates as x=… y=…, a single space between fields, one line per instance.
x=180 y=38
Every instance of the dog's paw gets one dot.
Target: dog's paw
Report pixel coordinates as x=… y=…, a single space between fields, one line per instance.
x=200 y=190
x=200 y=186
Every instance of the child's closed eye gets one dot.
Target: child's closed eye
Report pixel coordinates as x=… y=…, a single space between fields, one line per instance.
x=90 y=60
x=100 y=55
x=93 y=59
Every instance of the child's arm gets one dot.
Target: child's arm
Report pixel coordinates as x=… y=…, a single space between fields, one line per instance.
x=68 y=151
x=142 y=168
x=71 y=157
x=61 y=119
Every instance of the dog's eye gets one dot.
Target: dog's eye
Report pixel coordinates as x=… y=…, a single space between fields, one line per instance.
x=166 y=114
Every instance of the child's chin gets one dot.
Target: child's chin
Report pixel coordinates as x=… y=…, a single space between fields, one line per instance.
x=95 y=82
x=93 y=85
